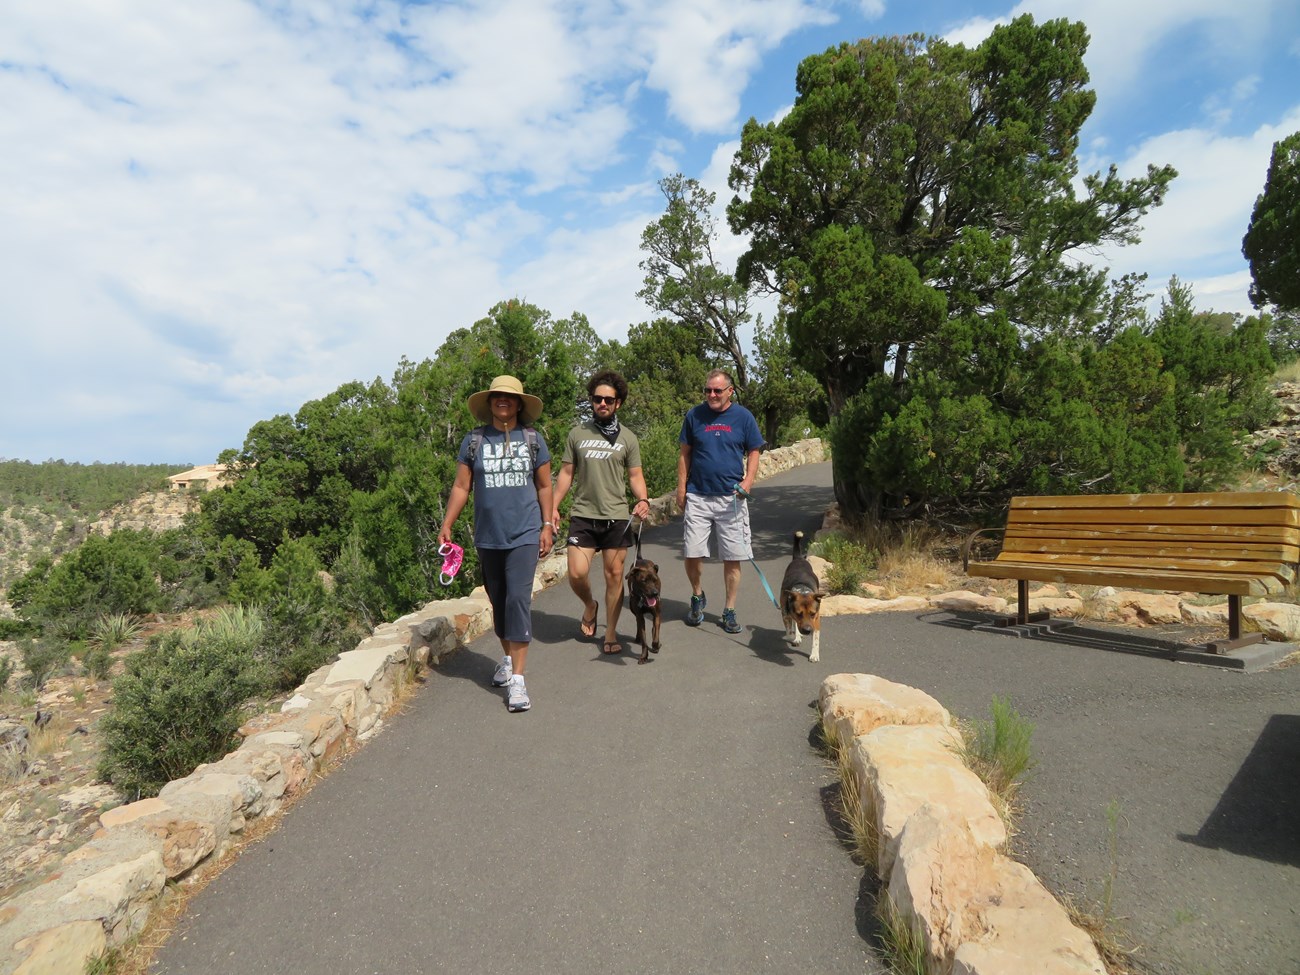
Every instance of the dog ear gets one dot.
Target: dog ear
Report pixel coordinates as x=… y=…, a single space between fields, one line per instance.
x=656 y=565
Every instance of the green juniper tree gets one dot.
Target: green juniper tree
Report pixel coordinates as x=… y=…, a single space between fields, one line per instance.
x=917 y=214
x=1272 y=241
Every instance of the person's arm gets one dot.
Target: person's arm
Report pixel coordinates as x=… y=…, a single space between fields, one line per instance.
x=683 y=469
x=641 y=504
x=542 y=478
x=751 y=471
x=460 y=489
x=561 y=489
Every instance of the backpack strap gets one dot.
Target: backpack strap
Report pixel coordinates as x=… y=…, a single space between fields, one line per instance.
x=530 y=434
x=475 y=441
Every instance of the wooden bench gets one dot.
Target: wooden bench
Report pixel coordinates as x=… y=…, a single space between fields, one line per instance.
x=1234 y=543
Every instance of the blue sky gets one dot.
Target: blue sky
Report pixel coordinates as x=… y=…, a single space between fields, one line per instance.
x=214 y=212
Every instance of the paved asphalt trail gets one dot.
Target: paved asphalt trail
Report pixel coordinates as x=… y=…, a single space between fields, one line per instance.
x=673 y=817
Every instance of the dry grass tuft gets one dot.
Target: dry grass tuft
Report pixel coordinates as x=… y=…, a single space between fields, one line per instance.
x=860 y=822
x=902 y=941
x=12 y=765
x=49 y=739
x=1118 y=959
x=902 y=572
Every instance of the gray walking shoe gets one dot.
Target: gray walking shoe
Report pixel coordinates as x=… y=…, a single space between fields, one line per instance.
x=517 y=700
x=696 y=616
x=504 y=671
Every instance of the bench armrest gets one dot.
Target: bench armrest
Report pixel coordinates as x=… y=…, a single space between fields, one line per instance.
x=970 y=539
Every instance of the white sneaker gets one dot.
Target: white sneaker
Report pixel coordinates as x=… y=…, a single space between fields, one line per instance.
x=518 y=697
x=503 y=673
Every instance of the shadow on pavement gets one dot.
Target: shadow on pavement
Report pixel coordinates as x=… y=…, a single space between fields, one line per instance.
x=869 y=886
x=1116 y=640
x=1256 y=815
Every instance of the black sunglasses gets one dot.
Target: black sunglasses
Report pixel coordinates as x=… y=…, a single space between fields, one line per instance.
x=605 y=399
x=715 y=392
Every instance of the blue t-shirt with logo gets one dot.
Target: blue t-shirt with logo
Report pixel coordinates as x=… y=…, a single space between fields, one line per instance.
x=719 y=443
x=506 y=511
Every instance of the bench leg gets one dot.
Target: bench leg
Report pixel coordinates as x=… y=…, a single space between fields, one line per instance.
x=1235 y=637
x=1023 y=616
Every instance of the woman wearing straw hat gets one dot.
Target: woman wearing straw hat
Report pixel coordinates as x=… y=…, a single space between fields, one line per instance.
x=507 y=467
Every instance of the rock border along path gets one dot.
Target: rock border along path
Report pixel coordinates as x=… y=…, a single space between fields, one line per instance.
x=939 y=838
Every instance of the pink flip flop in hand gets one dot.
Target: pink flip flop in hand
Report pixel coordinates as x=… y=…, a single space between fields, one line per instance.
x=452 y=554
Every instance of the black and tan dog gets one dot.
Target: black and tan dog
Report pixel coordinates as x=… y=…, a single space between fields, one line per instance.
x=801 y=601
x=643 y=599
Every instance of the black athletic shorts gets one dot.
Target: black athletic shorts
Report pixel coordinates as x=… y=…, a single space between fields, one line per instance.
x=598 y=534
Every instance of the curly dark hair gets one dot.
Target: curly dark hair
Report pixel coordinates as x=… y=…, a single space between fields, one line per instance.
x=608 y=377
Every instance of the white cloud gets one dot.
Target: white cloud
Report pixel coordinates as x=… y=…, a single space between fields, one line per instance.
x=1123 y=33
x=217 y=211
x=701 y=53
x=232 y=208
x=1197 y=233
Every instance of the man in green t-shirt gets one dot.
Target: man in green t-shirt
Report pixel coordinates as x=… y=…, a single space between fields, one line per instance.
x=601 y=460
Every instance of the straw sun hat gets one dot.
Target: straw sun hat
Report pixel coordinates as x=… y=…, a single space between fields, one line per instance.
x=482 y=410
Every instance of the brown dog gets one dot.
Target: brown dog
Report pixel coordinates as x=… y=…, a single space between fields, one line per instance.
x=801 y=601
x=643 y=599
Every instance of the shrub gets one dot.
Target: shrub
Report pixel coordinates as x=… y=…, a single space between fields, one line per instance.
x=851 y=563
x=43 y=658
x=104 y=575
x=113 y=629
x=177 y=706
x=11 y=628
x=999 y=751
x=6 y=670
x=659 y=452
x=306 y=626
x=98 y=662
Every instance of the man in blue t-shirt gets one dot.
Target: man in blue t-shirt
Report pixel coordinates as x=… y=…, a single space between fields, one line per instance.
x=716 y=467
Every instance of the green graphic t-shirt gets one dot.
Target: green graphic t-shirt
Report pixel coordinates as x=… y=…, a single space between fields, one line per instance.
x=600 y=471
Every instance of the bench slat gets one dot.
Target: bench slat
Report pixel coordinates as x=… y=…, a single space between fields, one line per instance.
x=1232 y=567
x=1199 y=533
x=1281 y=517
x=1226 y=585
x=1161 y=547
x=1211 y=499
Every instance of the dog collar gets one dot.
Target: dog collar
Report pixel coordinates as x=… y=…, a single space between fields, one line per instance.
x=802 y=590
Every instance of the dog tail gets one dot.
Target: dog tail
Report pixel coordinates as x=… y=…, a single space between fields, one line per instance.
x=798 y=544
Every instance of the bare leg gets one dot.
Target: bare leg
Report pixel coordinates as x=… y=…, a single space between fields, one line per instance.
x=731 y=576
x=693 y=575
x=613 y=561
x=579 y=572
x=518 y=654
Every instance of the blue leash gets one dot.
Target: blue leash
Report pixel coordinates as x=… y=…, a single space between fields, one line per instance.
x=735 y=506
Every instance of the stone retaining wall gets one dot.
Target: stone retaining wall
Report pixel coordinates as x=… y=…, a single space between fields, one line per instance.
x=939 y=838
